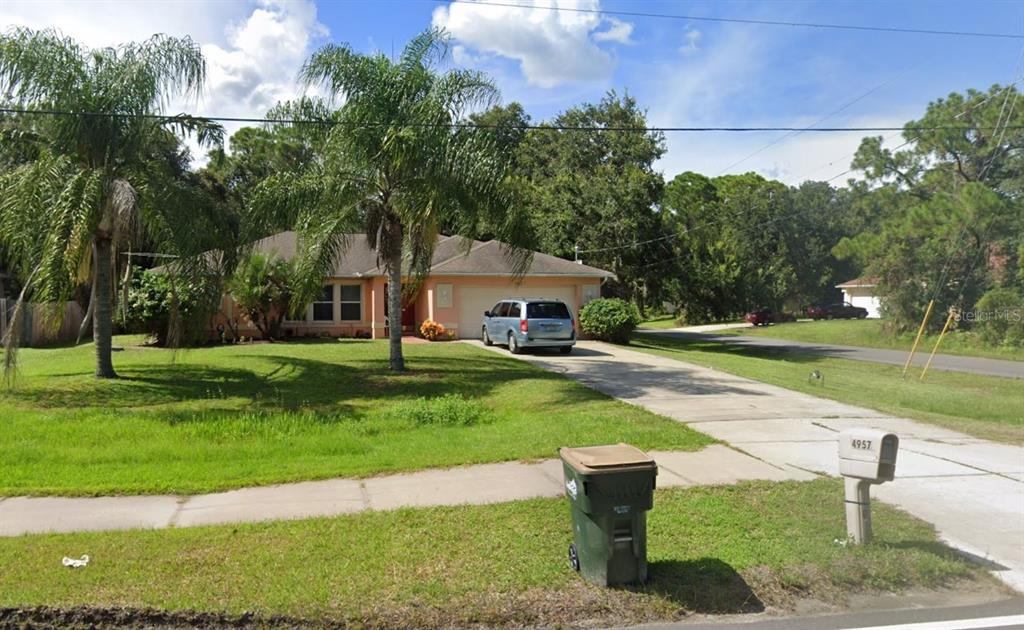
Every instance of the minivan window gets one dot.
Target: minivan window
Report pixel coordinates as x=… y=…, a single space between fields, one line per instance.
x=514 y=309
x=496 y=309
x=547 y=310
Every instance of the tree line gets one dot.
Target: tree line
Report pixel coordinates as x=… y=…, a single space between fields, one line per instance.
x=938 y=218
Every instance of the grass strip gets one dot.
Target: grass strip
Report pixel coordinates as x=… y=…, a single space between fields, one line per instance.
x=983 y=406
x=870 y=333
x=724 y=549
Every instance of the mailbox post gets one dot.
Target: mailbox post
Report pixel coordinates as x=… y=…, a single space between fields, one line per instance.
x=866 y=457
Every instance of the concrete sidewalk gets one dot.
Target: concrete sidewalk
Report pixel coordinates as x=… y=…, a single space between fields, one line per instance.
x=945 y=362
x=972 y=490
x=486 y=483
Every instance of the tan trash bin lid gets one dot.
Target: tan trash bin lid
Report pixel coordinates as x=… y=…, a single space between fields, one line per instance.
x=602 y=459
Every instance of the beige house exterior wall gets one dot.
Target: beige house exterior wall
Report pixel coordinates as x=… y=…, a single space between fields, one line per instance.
x=427 y=304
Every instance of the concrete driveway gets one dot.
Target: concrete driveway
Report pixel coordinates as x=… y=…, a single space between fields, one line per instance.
x=946 y=362
x=972 y=490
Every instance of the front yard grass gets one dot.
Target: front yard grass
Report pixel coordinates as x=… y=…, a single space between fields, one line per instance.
x=230 y=416
x=869 y=333
x=983 y=406
x=725 y=549
x=664 y=321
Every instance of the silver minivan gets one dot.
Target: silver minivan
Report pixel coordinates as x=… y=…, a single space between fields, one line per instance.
x=529 y=323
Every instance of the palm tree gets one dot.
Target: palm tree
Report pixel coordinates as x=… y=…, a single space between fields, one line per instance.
x=98 y=179
x=398 y=162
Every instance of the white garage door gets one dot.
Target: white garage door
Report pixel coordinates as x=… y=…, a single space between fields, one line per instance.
x=473 y=301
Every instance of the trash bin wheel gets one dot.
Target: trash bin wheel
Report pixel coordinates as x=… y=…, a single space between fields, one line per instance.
x=574 y=558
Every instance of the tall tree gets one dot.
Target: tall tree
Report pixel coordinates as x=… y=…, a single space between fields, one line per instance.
x=94 y=183
x=594 y=187
x=397 y=166
x=951 y=202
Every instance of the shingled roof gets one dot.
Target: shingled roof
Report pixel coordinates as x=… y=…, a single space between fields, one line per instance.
x=453 y=256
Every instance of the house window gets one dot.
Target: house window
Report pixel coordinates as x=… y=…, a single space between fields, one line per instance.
x=323 y=307
x=351 y=302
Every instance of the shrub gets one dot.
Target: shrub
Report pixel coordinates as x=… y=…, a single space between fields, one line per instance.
x=999 y=317
x=448 y=410
x=150 y=302
x=262 y=289
x=609 y=319
x=433 y=331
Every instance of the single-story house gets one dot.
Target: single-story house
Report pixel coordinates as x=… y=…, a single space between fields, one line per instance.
x=465 y=279
x=861 y=292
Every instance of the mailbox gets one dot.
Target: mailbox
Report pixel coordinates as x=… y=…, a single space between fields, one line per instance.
x=868 y=454
x=866 y=457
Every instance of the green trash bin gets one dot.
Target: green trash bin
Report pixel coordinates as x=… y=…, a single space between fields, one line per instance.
x=610 y=489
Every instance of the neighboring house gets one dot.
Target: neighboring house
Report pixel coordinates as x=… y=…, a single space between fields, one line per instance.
x=861 y=292
x=461 y=285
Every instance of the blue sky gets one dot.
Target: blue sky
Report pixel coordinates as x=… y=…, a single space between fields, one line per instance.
x=684 y=72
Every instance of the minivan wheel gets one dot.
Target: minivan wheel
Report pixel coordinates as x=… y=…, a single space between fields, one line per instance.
x=513 y=345
x=487 y=338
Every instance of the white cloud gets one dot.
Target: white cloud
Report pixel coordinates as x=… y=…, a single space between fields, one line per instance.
x=258 y=65
x=618 y=31
x=253 y=50
x=552 y=47
x=93 y=23
x=692 y=45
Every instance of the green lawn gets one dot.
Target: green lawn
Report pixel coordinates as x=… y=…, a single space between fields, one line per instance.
x=667 y=321
x=868 y=333
x=225 y=417
x=725 y=549
x=984 y=406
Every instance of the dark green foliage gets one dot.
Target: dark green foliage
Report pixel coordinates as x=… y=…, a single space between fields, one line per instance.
x=999 y=317
x=262 y=289
x=154 y=299
x=743 y=242
x=609 y=319
x=951 y=219
x=598 y=190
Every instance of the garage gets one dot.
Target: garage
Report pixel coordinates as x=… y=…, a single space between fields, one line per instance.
x=471 y=302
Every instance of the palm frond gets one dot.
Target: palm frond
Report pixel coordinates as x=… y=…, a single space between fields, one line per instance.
x=426 y=49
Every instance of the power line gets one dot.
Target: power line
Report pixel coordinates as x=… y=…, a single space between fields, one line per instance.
x=810 y=127
x=699 y=18
x=464 y=125
x=890 y=137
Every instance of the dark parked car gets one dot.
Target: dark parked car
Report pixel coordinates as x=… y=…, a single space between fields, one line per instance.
x=767 y=316
x=839 y=310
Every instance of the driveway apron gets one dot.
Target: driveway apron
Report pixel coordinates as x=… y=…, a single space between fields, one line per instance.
x=972 y=490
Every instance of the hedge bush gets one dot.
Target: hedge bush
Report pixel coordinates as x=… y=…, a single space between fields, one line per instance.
x=150 y=303
x=999 y=317
x=609 y=319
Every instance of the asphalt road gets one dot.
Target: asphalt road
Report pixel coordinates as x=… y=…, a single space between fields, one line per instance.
x=1005 y=614
x=946 y=362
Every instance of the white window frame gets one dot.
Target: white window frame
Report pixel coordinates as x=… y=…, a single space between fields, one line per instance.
x=342 y=301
